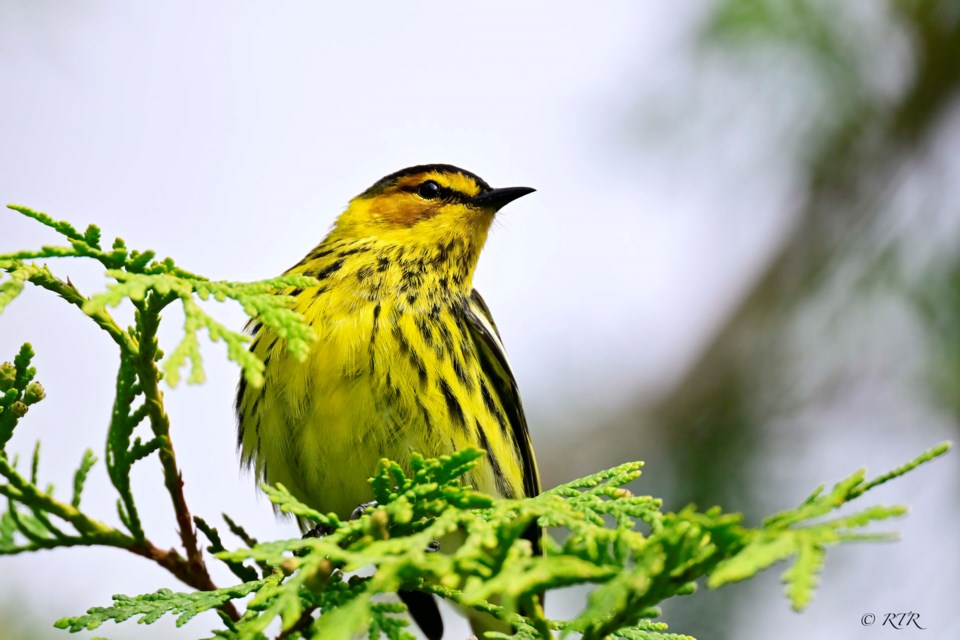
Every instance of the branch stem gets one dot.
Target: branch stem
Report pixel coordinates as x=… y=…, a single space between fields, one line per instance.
x=149 y=375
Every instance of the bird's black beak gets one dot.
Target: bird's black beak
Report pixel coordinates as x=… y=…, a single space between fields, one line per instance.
x=498 y=198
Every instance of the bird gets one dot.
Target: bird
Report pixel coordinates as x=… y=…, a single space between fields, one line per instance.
x=407 y=357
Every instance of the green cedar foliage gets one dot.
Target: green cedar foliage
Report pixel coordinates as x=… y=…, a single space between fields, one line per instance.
x=632 y=553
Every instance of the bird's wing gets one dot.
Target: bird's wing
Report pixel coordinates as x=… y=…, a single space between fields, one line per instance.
x=493 y=361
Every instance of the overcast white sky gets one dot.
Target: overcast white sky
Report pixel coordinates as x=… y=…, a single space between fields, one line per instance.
x=229 y=137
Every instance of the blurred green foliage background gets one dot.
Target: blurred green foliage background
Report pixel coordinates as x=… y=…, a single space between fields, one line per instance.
x=849 y=331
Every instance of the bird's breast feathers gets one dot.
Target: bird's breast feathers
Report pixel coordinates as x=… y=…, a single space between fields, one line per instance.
x=386 y=377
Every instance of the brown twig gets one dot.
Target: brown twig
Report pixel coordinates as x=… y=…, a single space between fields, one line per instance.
x=305 y=619
x=99 y=533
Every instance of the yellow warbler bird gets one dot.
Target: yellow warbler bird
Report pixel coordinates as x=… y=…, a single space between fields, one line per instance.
x=407 y=358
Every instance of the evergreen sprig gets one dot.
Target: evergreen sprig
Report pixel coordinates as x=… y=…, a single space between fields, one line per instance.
x=17 y=392
x=426 y=531
x=151 y=607
x=636 y=555
x=153 y=284
x=87 y=245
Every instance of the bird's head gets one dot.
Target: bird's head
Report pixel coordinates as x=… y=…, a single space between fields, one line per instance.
x=426 y=205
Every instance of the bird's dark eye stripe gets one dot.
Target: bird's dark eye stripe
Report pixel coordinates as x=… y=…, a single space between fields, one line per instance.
x=446 y=193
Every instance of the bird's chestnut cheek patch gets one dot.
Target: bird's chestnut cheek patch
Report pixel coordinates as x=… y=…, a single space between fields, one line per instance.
x=404 y=211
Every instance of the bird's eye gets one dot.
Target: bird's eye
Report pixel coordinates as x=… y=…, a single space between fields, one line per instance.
x=428 y=190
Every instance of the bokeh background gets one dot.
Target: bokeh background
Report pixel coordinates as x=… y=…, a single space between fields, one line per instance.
x=742 y=264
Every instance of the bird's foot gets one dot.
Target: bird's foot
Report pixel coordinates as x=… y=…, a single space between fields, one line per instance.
x=319 y=531
x=362 y=509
